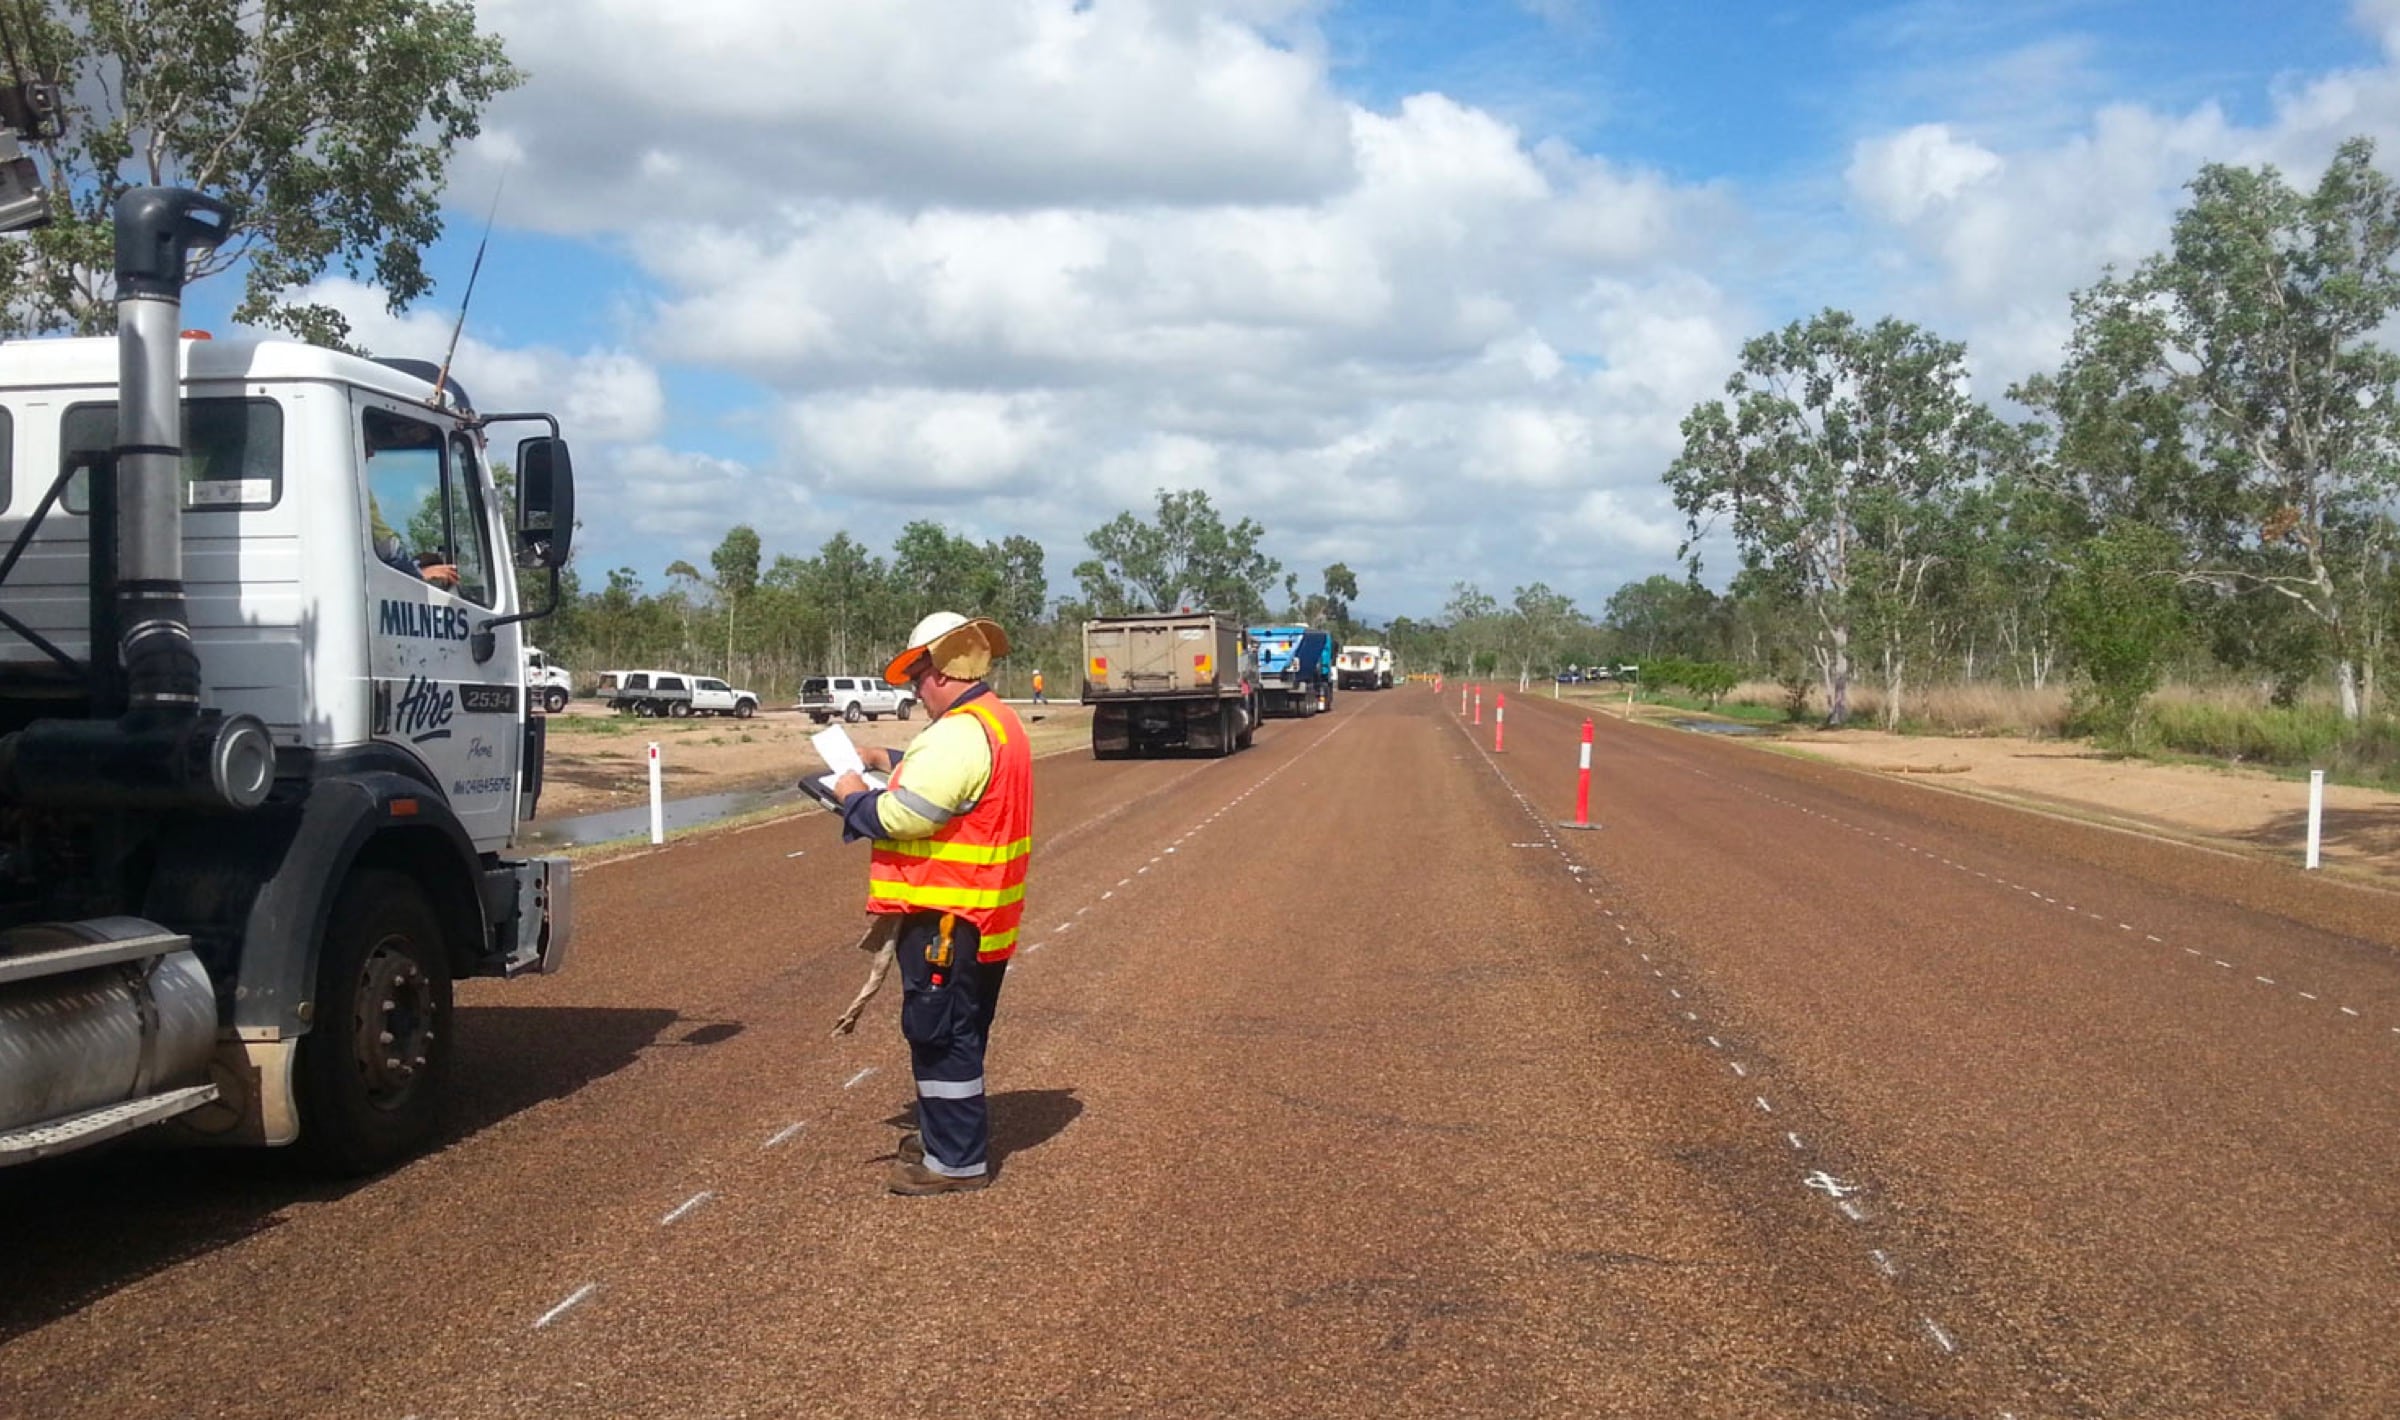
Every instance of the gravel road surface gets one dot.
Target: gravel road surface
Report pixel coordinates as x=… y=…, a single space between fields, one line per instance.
x=1334 y=1079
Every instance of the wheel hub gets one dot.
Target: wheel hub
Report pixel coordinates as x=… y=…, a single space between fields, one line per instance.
x=394 y=1015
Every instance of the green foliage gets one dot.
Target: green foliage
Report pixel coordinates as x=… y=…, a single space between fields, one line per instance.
x=1707 y=680
x=1186 y=556
x=2121 y=617
x=2234 y=389
x=1835 y=455
x=2285 y=737
x=330 y=126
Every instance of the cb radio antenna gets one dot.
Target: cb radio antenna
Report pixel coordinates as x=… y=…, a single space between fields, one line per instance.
x=442 y=381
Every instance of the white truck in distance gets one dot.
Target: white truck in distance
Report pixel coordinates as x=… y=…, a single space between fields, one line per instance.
x=550 y=686
x=259 y=779
x=1363 y=668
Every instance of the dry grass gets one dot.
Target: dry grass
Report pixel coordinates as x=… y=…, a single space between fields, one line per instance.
x=1983 y=708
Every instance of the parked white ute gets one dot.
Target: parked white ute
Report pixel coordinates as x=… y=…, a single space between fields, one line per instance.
x=714 y=697
x=854 y=698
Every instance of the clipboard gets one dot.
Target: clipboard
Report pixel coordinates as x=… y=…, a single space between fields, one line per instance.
x=820 y=786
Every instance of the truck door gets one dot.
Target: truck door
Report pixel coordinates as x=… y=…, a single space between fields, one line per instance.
x=433 y=577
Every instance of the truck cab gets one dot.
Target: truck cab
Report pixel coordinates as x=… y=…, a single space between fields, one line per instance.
x=288 y=852
x=1295 y=670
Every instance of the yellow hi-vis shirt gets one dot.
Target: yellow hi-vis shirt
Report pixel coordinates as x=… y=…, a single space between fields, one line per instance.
x=949 y=767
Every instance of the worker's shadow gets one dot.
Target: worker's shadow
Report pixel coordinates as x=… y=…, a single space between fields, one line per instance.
x=1021 y=1120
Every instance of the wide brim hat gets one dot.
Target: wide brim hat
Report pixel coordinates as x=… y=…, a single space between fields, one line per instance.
x=962 y=648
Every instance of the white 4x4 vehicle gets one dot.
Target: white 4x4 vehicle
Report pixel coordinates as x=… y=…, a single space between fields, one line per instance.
x=854 y=698
x=711 y=696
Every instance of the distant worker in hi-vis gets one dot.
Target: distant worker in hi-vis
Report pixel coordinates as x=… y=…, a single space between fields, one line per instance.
x=952 y=835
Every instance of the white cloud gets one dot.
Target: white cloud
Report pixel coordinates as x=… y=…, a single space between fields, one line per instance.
x=604 y=395
x=1903 y=176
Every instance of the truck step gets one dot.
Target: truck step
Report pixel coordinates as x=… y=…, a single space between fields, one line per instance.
x=21 y=1146
x=83 y=956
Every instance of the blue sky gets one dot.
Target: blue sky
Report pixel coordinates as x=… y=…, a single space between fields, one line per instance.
x=1424 y=287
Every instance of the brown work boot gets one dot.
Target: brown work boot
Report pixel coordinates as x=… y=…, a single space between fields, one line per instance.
x=914 y=1180
x=911 y=1148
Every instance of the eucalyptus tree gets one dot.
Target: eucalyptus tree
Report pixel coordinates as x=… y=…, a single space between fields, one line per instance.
x=2236 y=384
x=1833 y=456
x=328 y=125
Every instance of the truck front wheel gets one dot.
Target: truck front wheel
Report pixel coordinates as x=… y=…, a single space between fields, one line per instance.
x=744 y=709
x=852 y=713
x=554 y=700
x=370 y=1074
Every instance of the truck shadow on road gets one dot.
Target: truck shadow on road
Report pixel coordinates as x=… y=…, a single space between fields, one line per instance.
x=75 y=1229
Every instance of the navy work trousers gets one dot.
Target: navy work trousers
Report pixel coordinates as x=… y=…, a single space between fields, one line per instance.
x=946 y=1017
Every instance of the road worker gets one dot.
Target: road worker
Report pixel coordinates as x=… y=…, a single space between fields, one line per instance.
x=952 y=837
x=1038 y=697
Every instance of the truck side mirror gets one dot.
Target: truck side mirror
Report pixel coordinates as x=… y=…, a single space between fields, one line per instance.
x=545 y=501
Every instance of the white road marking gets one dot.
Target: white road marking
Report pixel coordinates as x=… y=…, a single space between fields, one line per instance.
x=560 y=1310
x=854 y=1079
x=1762 y=1103
x=2308 y=995
x=1883 y=1264
x=2267 y=980
x=1828 y=1185
x=801 y=854
x=1112 y=892
x=1794 y=1138
x=1940 y=1337
x=1739 y=1072
x=784 y=1133
x=1851 y=1211
x=2348 y=1012
x=686 y=1206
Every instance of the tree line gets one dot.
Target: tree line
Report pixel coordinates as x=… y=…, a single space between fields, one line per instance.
x=769 y=622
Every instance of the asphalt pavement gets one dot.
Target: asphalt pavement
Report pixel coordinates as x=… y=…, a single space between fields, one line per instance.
x=1335 y=1079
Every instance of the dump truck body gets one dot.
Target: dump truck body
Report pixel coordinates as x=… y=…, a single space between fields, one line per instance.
x=1176 y=680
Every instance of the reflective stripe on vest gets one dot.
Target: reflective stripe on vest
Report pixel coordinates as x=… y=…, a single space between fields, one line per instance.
x=973 y=866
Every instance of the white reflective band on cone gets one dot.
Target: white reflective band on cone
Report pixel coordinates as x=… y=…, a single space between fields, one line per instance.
x=1583 y=757
x=950 y=1089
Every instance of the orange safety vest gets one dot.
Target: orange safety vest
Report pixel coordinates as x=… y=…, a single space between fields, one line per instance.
x=973 y=867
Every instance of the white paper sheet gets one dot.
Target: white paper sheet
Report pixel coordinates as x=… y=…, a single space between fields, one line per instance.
x=840 y=755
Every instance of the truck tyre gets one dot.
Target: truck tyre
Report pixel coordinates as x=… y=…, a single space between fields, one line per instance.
x=679 y=709
x=370 y=1075
x=852 y=714
x=1226 y=730
x=1249 y=729
x=744 y=709
x=905 y=707
x=554 y=700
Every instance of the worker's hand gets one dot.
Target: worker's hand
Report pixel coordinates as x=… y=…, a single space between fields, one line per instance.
x=850 y=783
x=877 y=758
x=441 y=574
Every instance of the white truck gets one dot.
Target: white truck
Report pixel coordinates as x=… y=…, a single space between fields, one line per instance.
x=1363 y=668
x=260 y=778
x=549 y=685
x=674 y=694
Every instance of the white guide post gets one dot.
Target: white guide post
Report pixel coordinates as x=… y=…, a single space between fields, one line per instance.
x=658 y=802
x=2316 y=815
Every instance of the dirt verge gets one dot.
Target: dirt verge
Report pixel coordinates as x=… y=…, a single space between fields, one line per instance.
x=2247 y=809
x=598 y=761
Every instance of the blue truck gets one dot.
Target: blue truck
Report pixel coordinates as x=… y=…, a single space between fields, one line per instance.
x=1295 y=670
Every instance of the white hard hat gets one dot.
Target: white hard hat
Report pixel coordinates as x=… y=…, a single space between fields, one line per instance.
x=962 y=648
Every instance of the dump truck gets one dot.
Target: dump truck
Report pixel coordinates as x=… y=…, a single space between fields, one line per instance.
x=1295 y=670
x=1364 y=668
x=262 y=762
x=1175 y=680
